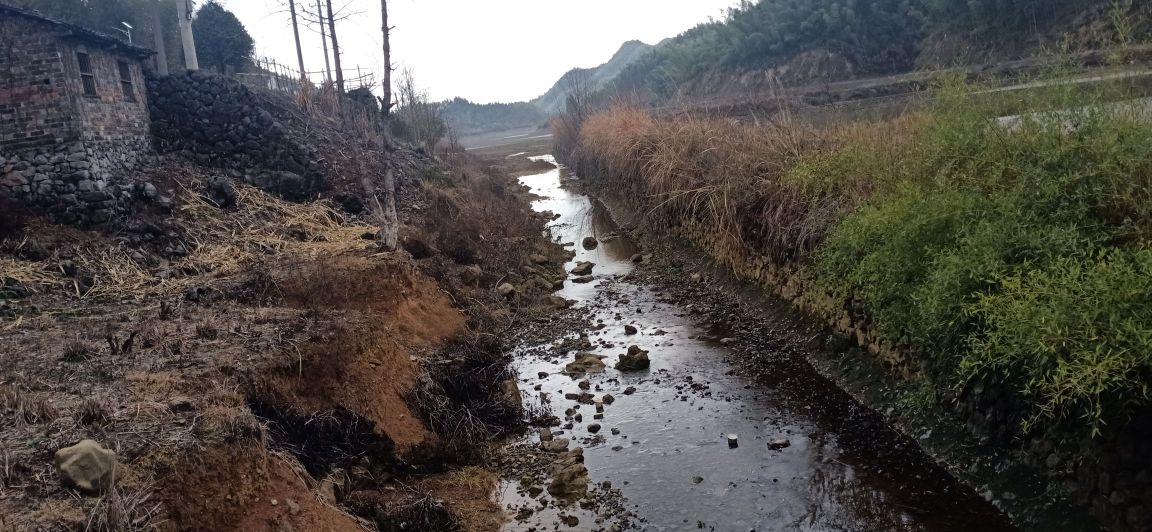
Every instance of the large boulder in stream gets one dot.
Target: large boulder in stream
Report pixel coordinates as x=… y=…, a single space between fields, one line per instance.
x=583 y=268
x=555 y=445
x=585 y=363
x=634 y=360
x=590 y=242
x=510 y=395
x=569 y=476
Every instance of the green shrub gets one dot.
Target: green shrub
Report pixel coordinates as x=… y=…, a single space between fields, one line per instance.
x=1014 y=251
x=1077 y=334
x=884 y=252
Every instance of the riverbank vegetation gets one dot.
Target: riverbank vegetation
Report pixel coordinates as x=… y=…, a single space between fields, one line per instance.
x=1012 y=251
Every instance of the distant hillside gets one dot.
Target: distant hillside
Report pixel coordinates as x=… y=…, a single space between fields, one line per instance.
x=467 y=118
x=804 y=41
x=596 y=77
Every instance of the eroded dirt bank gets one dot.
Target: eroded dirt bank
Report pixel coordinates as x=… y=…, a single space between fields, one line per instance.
x=260 y=364
x=652 y=437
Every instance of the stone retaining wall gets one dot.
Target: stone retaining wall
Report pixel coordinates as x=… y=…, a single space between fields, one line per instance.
x=217 y=121
x=74 y=182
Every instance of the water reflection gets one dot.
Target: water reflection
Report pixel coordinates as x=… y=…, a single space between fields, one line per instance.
x=664 y=445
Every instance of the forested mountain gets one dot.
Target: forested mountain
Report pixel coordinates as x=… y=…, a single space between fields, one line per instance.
x=808 y=40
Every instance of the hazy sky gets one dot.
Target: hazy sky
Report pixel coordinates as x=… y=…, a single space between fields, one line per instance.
x=483 y=50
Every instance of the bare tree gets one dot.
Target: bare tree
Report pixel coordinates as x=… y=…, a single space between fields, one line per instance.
x=578 y=106
x=386 y=99
x=324 y=42
x=336 y=55
x=419 y=119
x=578 y=102
x=296 y=35
x=389 y=224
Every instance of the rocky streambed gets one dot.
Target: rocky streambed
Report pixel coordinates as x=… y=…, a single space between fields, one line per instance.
x=645 y=423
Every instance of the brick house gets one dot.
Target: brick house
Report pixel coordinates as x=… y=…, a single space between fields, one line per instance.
x=73 y=115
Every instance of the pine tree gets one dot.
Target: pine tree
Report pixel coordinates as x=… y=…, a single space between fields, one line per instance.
x=222 y=43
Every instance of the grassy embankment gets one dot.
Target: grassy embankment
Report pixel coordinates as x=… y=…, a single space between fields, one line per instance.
x=965 y=250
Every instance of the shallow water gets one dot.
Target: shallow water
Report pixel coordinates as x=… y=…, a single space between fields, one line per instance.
x=842 y=469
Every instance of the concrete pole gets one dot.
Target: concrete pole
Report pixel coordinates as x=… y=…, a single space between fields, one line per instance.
x=158 y=40
x=185 y=14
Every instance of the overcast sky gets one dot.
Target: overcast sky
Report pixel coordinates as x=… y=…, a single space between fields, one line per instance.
x=486 y=51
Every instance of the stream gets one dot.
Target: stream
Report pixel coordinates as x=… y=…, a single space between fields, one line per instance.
x=806 y=457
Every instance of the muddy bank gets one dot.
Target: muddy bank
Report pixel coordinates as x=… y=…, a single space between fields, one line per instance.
x=654 y=438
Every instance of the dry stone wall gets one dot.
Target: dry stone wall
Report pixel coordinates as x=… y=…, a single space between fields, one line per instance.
x=217 y=121
x=57 y=180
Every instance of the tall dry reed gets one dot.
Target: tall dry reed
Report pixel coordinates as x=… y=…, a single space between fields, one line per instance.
x=756 y=187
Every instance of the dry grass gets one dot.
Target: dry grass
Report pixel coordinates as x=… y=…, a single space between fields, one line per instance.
x=479 y=219
x=226 y=242
x=124 y=511
x=30 y=275
x=221 y=242
x=472 y=477
x=26 y=408
x=94 y=411
x=236 y=425
x=759 y=187
x=77 y=351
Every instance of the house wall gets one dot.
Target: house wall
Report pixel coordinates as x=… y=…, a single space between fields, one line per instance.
x=114 y=129
x=34 y=108
x=61 y=152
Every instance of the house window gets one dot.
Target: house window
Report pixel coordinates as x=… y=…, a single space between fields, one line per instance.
x=86 y=74
x=126 y=81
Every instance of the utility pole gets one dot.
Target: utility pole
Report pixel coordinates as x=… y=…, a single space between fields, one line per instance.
x=158 y=40
x=184 y=11
x=296 y=34
x=386 y=99
x=336 y=55
x=324 y=41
